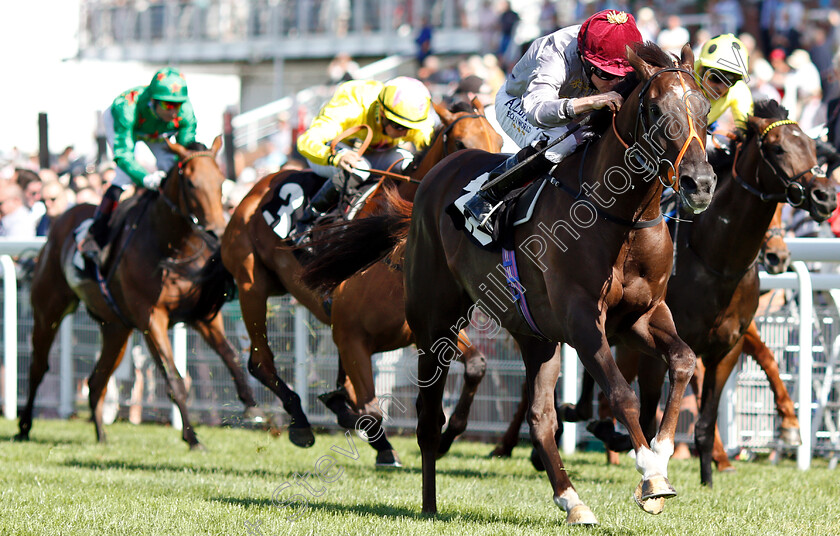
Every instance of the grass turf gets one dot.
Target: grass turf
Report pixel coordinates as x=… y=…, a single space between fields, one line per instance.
x=146 y=482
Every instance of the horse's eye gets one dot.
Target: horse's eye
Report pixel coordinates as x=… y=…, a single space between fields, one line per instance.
x=655 y=110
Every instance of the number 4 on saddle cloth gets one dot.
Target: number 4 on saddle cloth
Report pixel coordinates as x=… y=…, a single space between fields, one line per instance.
x=289 y=199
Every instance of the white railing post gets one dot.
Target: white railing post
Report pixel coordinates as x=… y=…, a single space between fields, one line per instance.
x=179 y=354
x=10 y=350
x=301 y=346
x=804 y=378
x=570 y=394
x=65 y=369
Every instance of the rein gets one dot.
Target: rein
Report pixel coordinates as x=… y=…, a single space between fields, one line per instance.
x=673 y=181
x=208 y=238
x=794 y=193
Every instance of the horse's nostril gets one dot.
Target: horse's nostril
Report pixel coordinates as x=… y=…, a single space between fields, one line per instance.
x=821 y=196
x=771 y=259
x=688 y=184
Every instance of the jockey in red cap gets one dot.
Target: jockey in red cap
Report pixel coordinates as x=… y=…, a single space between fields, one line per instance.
x=562 y=76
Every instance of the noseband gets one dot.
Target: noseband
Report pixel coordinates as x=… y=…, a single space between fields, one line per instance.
x=794 y=193
x=673 y=181
x=209 y=238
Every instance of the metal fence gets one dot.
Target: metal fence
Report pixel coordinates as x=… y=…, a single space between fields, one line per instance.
x=307 y=359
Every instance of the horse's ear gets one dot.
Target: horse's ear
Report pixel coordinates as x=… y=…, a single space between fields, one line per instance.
x=217 y=144
x=757 y=124
x=177 y=148
x=643 y=69
x=444 y=114
x=477 y=106
x=687 y=57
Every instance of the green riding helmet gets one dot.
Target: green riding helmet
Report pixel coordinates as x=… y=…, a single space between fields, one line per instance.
x=168 y=85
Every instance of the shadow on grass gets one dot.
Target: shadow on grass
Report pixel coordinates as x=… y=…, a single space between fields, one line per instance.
x=47 y=441
x=384 y=510
x=106 y=465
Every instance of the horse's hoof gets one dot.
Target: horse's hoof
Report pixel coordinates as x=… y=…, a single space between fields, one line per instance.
x=652 y=506
x=581 y=515
x=302 y=437
x=21 y=437
x=198 y=447
x=499 y=452
x=791 y=437
x=388 y=459
x=657 y=486
x=728 y=468
x=330 y=396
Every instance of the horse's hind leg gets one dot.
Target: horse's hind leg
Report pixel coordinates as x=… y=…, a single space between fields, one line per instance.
x=50 y=304
x=754 y=346
x=475 y=366
x=114 y=339
x=719 y=455
x=214 y=333
x=542 y=368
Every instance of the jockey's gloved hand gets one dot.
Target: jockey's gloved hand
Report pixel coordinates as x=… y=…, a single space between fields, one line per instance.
x=153 y=180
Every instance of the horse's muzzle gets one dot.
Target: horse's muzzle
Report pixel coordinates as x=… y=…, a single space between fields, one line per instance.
x=697 y=185
x=822 y=202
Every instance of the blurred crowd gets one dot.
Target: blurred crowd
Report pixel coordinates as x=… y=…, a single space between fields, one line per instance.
x=793 y=51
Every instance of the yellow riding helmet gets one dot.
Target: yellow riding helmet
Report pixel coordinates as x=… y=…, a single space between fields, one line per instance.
x=724 y=53
x=405 y=101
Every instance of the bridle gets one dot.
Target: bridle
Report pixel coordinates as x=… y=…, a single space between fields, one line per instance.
x=794 y=193
x=673 y=172
x=209 y=238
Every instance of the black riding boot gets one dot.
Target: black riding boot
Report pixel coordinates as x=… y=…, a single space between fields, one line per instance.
x=482 y=204
x=97 y=236
x=323 y=200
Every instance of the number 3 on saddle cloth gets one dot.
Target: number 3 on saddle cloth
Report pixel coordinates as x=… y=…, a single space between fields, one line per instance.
x=289 y=198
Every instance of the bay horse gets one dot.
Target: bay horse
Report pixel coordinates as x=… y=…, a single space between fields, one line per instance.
x=607 y=284
x=775 y=256
x=366 y=315
x=163 y=269
x=714 y=292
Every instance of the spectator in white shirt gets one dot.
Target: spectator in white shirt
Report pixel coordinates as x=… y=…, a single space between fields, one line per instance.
x=15 y=219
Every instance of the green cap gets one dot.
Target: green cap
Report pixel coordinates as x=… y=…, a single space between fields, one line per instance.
x=169 y=85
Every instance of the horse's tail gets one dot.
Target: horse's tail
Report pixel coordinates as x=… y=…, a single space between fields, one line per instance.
x=217 y=287
x=343 y=249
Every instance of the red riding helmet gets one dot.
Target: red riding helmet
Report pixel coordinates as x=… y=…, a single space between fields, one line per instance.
x=602 y=38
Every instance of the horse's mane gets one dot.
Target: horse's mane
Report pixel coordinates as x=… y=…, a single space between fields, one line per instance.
x=765 y=109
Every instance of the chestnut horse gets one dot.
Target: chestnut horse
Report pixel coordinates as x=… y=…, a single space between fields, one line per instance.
x=367 y=315
x=163 y=269
x=714 y=292
x=606 y=285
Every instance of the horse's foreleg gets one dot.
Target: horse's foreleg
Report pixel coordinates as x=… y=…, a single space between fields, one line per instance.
x=511 y=437
x=717 y=372
x=542 y=368
x=114 y=339
x=213 y=332
x=475 y=366
x=754 y=346
x=252 y=301
x=159 y=345
x=656 y=331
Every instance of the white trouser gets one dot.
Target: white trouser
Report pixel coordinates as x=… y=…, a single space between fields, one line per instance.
x=373 y=159
x=514 y=122
x=164 y=157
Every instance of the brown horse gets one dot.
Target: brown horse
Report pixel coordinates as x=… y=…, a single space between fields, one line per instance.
x=163 y=269
x=775 y=256
x=608 y=283
x=714 y=292
x=367 y=315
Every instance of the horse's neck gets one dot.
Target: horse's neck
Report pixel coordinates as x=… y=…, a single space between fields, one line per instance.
x=604 y=170
x=729 y=234
x=172 y=231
